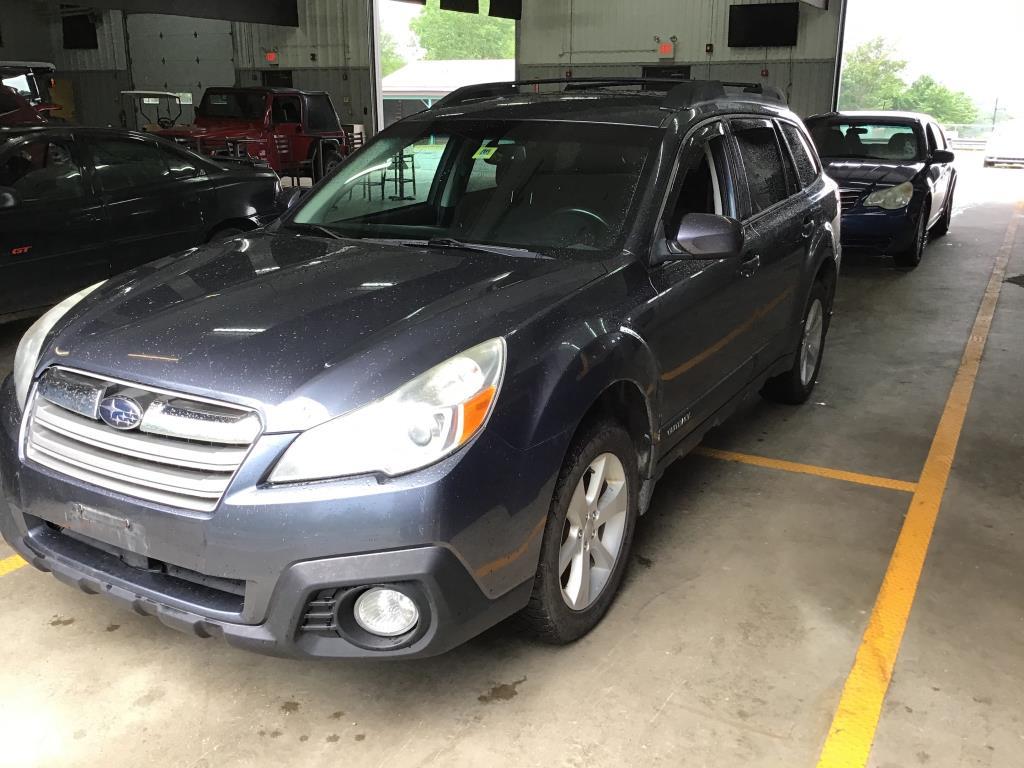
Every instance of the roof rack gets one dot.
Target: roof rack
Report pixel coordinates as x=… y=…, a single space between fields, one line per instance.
x=679 y=93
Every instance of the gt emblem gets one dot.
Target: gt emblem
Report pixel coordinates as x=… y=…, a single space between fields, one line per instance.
x=21 y=250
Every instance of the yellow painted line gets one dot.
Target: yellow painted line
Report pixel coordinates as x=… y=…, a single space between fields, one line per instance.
x=12 y=563
x=849 y=739
x=808 y=469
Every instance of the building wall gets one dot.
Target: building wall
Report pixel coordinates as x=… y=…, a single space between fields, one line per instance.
x=588 y=37
x=22 y=37
x=328 y=51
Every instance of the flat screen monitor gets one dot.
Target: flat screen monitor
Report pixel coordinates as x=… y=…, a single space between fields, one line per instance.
x=763 y=25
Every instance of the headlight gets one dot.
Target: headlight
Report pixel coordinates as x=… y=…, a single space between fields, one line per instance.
x=892 y=198
x=416 y=425
x=31 y=343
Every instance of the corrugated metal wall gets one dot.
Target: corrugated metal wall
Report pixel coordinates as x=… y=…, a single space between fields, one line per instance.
x=607 y=38
x=22 y=38
x=334 y=31
x=180 y=54
x=328 y=51
x=108 y=56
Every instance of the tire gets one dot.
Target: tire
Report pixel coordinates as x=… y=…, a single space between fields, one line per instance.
x=942 y=226
x=603 y=446
x=911 y=257
x=795 y=385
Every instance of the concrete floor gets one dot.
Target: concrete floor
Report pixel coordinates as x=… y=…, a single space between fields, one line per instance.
x=736 y=627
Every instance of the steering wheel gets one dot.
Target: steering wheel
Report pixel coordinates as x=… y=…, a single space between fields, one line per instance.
x=165 y=122
x=587 y=230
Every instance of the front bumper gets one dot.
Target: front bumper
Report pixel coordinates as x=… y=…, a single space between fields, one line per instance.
x=460 y=537
x=880 y=230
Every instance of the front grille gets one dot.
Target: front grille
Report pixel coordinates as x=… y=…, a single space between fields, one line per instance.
x=183 y=452
x=849 y=198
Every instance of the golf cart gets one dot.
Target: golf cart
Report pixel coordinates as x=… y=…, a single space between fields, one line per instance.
x=153 y=110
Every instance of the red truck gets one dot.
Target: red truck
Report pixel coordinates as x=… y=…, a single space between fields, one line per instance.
x=31 y=80
x=281 y=126
x=15 y=109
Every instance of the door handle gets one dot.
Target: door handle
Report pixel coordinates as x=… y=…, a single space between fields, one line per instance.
x=749 y=265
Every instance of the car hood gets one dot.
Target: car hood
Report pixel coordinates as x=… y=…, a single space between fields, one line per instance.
x=851 y=172
x=304 y=328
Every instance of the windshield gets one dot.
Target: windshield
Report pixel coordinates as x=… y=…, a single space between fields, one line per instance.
x=237 y=105
x=874 y=140
x=562 y=189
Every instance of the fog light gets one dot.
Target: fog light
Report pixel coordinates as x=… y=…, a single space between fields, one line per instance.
x=385 y=612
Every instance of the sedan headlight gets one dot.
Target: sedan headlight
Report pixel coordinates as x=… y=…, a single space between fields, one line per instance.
x=892 y=198
x=31 y=343
x=418 y=424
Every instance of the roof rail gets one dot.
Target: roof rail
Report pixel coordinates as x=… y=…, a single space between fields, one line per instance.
x=679 y=93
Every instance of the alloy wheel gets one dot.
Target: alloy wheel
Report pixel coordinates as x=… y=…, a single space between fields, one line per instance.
x=594 y=531
x=810 y=346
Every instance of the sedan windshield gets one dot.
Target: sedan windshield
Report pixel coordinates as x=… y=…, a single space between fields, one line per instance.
x=562 y=189
x=873 y=140
x=238 y=105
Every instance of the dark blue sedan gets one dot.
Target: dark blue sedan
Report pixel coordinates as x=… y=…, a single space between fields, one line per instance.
x=896 y=179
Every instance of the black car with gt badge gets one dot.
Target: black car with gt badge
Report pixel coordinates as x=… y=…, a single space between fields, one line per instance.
x=78 y=205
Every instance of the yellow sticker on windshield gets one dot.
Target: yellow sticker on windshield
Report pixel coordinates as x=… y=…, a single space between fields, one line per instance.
x=484 y=153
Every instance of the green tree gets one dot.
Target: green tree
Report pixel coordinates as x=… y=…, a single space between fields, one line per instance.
x=456 y=35
x=933 y=98
x=872 y=77
x=390 y=59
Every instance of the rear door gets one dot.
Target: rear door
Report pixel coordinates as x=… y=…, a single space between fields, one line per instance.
x=52 y=242
x=778 y=222
x=154 y=198
x=702 y=332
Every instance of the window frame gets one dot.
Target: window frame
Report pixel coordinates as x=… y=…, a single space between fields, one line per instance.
x=705 y=131
x=812 y=154
x=752 y=122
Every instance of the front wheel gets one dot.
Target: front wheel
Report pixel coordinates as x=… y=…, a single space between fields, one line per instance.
x=795 y=385
x=588 y=535
x=911 y=257
x=942 y=227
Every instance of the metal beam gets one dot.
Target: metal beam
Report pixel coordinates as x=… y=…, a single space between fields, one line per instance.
x=283 y=13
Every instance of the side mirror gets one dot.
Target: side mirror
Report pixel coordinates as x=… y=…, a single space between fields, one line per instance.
x=942 y=156
x=9 y=198
x=703 y=236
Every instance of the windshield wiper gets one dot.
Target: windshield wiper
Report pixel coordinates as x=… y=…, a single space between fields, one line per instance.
x=451 y=242
x=318 y=229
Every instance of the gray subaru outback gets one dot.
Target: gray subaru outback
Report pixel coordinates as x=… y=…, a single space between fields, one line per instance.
x=440 y=389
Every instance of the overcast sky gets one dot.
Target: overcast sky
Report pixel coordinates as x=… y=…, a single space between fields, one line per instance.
x=975 y=46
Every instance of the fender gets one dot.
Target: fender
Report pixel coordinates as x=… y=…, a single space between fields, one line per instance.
x=569 y=380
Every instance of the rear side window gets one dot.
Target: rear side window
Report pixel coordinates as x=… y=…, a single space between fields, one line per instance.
x=42 y=170
x=320 y=114
x=803 y=158
x=123 y=163
x=762 y=163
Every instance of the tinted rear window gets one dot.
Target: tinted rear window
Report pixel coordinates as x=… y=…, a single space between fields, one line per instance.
x=872 y=139
x=762 y=163
x=239 y=105
x=806 y=166
x=320 y=114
